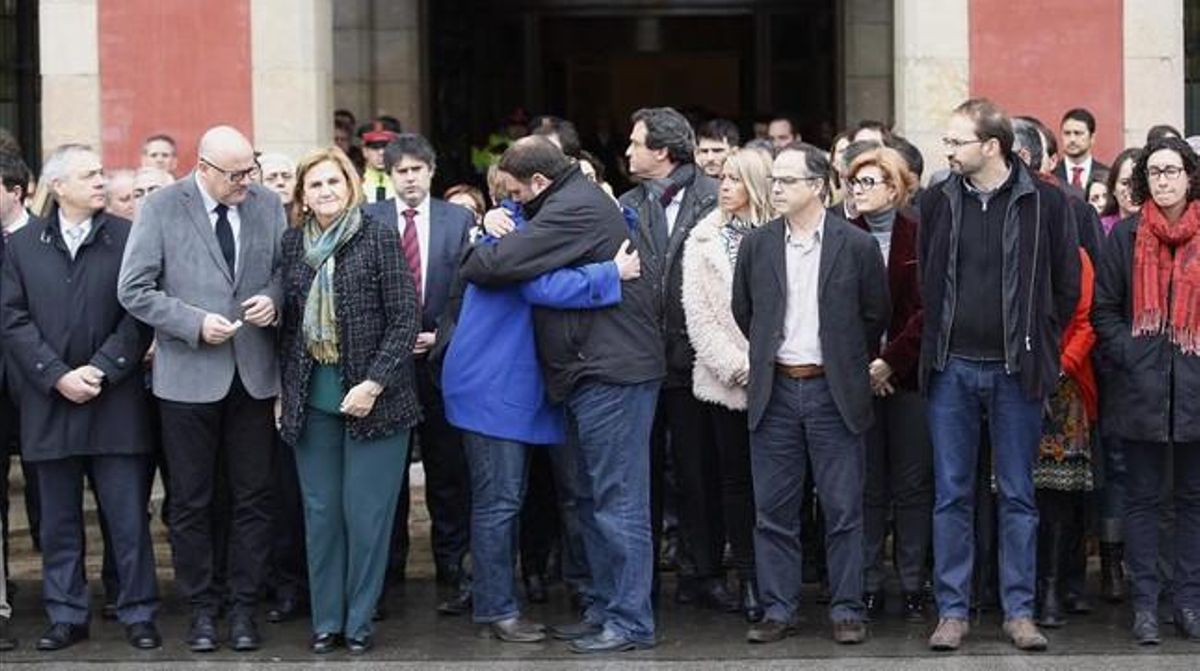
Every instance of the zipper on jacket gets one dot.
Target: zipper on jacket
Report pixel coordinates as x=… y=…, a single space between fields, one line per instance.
x=1037 y=237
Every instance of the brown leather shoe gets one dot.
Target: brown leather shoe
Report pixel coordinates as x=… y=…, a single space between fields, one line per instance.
x=1024 y=634
x=949 y=634
x=849 y=632
x=770 y=631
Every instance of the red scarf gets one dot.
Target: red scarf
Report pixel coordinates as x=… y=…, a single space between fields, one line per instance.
x=1159 y=274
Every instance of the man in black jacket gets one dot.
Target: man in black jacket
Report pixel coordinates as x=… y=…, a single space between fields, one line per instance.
x=998 y=251
x=811 y=294
x=78 y=354
x=673 y=196
x=604 y=365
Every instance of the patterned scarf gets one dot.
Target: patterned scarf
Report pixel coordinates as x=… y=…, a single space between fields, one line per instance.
x=320 y=316
x=1166 y=285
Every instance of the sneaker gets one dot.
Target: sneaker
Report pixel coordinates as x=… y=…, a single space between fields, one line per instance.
x=1024 y=634
x=949 y=634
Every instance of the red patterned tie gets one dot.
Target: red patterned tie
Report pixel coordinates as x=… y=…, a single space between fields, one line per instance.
x=412 y=250
x=1077 y=176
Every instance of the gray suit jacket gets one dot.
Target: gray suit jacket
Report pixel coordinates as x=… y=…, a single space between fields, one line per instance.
x=173 y=274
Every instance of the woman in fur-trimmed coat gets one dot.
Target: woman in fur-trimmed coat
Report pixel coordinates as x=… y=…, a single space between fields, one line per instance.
x=722 y=362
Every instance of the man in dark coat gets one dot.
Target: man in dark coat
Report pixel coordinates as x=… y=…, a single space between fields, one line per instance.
x=811 y=294
x=78 y=354
x=673 y=196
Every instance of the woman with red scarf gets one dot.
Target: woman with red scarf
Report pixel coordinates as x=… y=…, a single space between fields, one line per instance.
x=1147 y=319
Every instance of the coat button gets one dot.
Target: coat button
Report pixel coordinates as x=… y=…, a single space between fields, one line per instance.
x=121 y=361
x=39 y=365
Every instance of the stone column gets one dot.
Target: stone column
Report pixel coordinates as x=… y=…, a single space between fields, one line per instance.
x=379 y=60
x=932 y=71
x=291 y=48
x=69 y=60
x=1154 y=67
x=869 y=59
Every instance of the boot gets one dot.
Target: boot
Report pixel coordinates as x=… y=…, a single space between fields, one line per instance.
x=1050 y=547
x=752 y=606
x=1112 y=572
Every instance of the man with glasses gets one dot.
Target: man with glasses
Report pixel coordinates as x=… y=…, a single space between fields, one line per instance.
x=1000 y=276
x=811 y=294
x=201 y=268
x=146 y=181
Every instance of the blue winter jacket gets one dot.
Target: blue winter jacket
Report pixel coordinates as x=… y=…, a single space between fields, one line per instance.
x=491 y=381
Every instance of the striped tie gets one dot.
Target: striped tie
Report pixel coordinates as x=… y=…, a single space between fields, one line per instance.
x=412 y=250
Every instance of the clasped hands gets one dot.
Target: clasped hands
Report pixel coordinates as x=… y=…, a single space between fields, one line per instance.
x=258 y=311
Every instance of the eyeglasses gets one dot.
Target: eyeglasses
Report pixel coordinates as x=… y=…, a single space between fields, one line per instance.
x=788 y=180
x=954 y=144
x=1170 y=172
x=235 y=176
x=866 y=183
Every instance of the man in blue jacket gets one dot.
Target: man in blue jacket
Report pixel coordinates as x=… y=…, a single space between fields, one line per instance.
x=499 y=401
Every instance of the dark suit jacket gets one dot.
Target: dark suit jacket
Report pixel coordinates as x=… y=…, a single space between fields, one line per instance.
x=1099 y=174
x=449 y=235
x=60 y=313
x=853 y=300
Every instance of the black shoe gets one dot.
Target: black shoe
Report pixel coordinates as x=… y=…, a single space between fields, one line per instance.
x=606 y=641
x=458 y=604
x=202 y=634
x=713 y=594
x=359 y=646
x=1187 y=623
x=7 y=641
x=752 y=607
x=324 y=643
x=62 y=635
x=143 y=635
x=770 y=631
x=243 y=634
x=873 y=602
x=914 y=607
x=535 y=588
x=1077 y=604
x=380 y=613
x=516 y=630
x=109 y=612
x=1049 y=607
x=1112 y=573
x=570 y=632
x=1145 y=628
x=284 y=610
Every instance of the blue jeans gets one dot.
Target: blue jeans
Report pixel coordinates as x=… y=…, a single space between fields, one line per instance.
x=499 y=471
x=564 y=461
x=612 y=424
x=958 y=397
x=802 y=424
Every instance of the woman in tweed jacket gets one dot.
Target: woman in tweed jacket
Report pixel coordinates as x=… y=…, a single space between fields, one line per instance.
x=349 y=323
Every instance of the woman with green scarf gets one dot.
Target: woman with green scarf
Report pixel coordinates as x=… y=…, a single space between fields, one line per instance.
x=348 y=324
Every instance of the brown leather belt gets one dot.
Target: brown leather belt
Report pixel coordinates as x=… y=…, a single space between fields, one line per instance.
x=802 y=372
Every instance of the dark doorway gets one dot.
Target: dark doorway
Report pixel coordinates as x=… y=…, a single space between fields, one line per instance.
x=20 y=110
x=596 y=62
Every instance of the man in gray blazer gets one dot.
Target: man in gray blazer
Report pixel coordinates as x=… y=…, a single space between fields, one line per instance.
x=201 y=267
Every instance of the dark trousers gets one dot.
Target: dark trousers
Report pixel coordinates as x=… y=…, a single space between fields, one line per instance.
x=236 y=434
x=899 y=472
x=1146 y=467
x=731 y=435
x=540 y=520
x=121 y=486
x=802 y=423
x=288 y=575
x=697 y=476
x=10 y=447
x=447 y=487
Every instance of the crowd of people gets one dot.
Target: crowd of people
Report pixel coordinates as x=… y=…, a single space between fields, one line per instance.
x=762 y=361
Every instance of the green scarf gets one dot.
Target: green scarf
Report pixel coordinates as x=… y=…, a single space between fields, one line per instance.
x=320 y=316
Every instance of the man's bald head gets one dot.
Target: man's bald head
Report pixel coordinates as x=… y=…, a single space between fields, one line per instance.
x=226 y=160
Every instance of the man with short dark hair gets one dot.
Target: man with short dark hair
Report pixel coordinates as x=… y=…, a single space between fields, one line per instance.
x=605 y=365
x=1078 y=167
x=559 y=131
x=869 y=130
x=159 y=151
x=434 y=234
x=376 y=184
x=811 y=294
x=782 y=131
x=715 y=138
x=990 y=234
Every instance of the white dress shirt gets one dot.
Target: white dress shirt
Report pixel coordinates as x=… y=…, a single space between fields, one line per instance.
x=22 y=219
x=74 y=235
x=672 y=211
x=422 y=220
x=235 y=220
x=802 y=316
x=1084 y=176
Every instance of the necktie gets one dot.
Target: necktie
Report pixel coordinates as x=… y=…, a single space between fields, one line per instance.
x=74 y=237
x=412 y=249
x=1077 y=176
x=225 y=236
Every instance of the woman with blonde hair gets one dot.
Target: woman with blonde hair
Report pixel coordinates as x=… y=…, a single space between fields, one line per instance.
x=722 y=364
x=899 y=456
x=348 y=325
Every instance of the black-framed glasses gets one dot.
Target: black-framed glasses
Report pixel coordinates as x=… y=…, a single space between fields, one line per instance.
x=865 y=183
x=234 y=176
x=1170 y=172
x=955 y=144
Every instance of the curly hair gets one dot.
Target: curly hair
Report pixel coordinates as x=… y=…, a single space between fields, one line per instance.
x=1139 y=181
